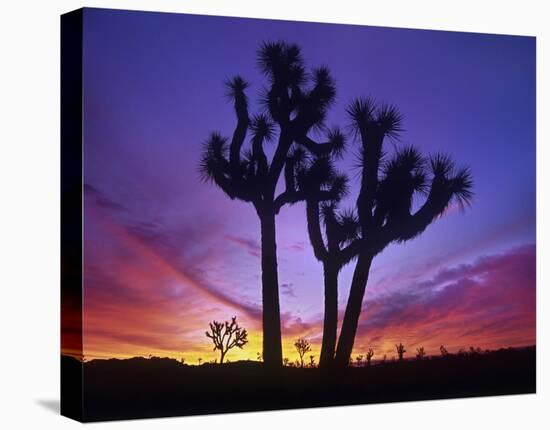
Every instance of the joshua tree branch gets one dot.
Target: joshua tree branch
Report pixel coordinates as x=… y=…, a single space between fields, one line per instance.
x=291 y=197
x=351 y=251
x=290 y=180
x=318 y=149
x=260 y=157
x=314 y=230
x=279 y=159
x=372 y=146
x=232 y=190
x=237 y=86
x=434 y=206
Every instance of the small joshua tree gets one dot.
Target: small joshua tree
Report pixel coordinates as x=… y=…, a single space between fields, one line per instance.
x=443 y=351
x=226 y=336
x=199 y=360
x=182 y=360
x=370 y=354
x=303 y=347
x=359 y=359
x=420 y=353
x=400 y=351
x=311 y=361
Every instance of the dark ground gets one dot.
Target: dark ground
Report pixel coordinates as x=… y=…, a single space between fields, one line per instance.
x=144 y=388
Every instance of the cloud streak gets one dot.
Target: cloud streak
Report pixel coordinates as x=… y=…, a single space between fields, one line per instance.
x=490 y=302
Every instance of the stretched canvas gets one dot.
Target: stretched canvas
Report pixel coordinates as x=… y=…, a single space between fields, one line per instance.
x=261 y=214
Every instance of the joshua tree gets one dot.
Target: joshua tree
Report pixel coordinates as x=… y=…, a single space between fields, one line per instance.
x=295 y=102
x=226 y=336
x=384 y=204
x=400 y=351
x=182 y=360
x=420 y=353
x=302 y=346
x=338 y=246
x=311 y=361
x=199 y=360
x=359 y=360
x=370 y=354
x=443 y=351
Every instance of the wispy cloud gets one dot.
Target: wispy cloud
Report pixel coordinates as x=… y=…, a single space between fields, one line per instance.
x=287 y=289
x=486 y=302
x=251 y=246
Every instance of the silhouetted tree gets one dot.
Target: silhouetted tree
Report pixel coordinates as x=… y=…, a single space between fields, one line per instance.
x=323 y=187
x=359 y=360
x=199 y=360
x=420 y=353
x=400 y=351
x=370 y=354
x=182 y=360
x=384 y=204
x=295 y=102
x=311 y=361
x=443 y=351
x=226 y=336
x=338 y=246
x=303 y=347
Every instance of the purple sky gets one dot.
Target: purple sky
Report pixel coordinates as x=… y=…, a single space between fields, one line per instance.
x=153 y=91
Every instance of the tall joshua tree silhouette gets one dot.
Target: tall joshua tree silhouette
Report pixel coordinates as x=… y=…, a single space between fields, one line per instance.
x=384 y=203
x=336 y=248
x=294 y=102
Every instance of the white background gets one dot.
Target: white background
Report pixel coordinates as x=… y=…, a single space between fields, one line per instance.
x=29 y=211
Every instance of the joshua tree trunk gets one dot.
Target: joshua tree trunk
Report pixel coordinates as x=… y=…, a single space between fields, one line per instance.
x=353 y=309
x=330 y=325
x=272 y=349
x=222 y=355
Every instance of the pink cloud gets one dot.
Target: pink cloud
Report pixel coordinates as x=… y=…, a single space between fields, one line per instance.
x=490 y=302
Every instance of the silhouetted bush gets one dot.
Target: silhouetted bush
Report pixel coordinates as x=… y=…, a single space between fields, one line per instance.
x=400 y=351
x=302 y=346
x=370 y=354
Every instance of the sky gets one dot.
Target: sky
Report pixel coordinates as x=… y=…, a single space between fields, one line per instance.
x=165 y=253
